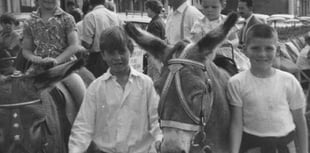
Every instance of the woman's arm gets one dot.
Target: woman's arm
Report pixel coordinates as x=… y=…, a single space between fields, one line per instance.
x=73 y=47
x=27 y=51
x=301 y=130
x=236 y=129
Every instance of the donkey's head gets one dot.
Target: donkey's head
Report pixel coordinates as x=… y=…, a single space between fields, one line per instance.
x=186 y=94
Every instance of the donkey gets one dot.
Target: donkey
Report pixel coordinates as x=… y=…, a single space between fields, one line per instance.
x=193 y=109
x=31 y=119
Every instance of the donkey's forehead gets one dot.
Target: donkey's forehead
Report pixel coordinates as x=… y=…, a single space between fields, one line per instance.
x=187 y=49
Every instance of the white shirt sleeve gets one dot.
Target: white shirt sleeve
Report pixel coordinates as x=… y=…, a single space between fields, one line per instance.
x=233 y=93
x=89 y=28
x=153 y=101
x=296 y=96
x=83 y=126
x=191 y=17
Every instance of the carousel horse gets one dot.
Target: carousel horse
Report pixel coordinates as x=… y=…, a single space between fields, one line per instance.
x=193 y=109
x=35 y=117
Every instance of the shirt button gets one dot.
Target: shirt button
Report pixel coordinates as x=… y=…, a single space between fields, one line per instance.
x=15 y=125
x=17 y=137
x=15 y=115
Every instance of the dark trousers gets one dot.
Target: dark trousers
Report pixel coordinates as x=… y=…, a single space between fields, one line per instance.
x=93 y=148
x=96 y=64
x=266 y=144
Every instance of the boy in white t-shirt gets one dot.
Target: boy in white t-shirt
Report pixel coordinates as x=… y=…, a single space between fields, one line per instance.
x=268 y=104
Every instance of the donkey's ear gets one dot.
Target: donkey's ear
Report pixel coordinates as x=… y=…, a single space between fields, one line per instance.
x=215 y=37
x=51 y=76
x=152 y=44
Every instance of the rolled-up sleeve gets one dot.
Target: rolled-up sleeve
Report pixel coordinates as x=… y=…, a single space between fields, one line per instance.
x=153 y=101
x=83 y=127
x=88 y=28
x=70 y=24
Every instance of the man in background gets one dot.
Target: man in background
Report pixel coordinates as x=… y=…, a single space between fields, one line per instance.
x=180 y=20
x=94 y=23
x=74 y=11
x=245 y=9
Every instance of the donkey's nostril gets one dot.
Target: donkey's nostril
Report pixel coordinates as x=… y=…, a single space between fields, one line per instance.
x=207 y=149
x=183 y=151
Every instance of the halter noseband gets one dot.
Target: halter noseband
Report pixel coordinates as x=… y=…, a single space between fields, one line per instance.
x=175 y=65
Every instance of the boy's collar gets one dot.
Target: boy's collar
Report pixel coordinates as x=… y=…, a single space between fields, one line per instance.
x=108 y=75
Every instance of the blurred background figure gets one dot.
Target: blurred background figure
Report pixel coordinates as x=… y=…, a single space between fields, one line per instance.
x=110 y=5
x=10 y=44
x=85 y=9
x=181 y=20
x=94 y=23
x=74 y=10
x=211 y=20
x=157 y=28
x=157 y=25
x=9 y=39
x=245 y=9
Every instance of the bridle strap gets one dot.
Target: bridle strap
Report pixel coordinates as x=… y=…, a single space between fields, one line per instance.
x=20 y=104
x=184 y=104
x=175 y=65
x=187 y=62
x=173 y=70
x=179 y=125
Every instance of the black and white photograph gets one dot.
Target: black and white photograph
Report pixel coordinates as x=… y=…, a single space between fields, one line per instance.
x=154 y=76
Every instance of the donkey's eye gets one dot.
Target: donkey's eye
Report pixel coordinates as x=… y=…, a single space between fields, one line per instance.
x=195 y=94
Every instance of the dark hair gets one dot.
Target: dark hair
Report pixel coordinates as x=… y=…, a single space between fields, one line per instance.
x=8 y=18
x=96 y=2
x=249 y=3
x=307 y=39
x=115 y=38
x=70 y=3
x=85 y=7
x=155 y=5
x=222 y=2
x=261 y=31
x=110 y=5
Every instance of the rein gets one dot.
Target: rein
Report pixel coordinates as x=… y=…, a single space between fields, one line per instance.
x=7 y=59
x=200 y=122
x=20 y=104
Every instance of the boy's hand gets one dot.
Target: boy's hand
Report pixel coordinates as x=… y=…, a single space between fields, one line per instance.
x=158 y=146
x=80 y=48
x=49 y=60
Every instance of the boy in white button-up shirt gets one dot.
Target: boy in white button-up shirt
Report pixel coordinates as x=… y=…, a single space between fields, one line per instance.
x=119 y=111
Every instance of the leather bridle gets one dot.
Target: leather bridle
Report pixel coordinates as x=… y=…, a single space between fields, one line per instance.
x=200 y=122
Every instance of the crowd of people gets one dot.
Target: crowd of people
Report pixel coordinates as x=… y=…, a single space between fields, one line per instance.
x=119 y=110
